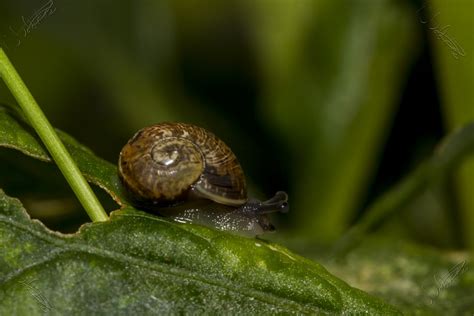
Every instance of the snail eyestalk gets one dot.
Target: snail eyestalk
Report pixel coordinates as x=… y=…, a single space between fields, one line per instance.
x=278 y=203
x=53 y=144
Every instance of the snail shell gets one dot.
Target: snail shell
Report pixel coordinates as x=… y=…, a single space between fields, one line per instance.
x=171 y=162
x=167 y=164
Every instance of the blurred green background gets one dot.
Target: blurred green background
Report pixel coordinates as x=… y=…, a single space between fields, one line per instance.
x=331 y=101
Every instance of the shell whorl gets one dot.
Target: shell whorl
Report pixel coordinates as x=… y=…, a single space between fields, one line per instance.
x=168 y=161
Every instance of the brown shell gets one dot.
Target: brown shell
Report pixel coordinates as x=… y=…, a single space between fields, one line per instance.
x=169 y=162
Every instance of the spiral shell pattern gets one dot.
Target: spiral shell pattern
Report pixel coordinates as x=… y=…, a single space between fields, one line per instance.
x=169 y=162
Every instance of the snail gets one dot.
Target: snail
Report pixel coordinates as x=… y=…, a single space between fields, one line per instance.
x=185 y=172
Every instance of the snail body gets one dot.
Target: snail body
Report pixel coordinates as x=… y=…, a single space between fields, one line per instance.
x=187 y=173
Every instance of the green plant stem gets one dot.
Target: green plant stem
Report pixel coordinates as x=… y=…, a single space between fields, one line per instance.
x=46 y=132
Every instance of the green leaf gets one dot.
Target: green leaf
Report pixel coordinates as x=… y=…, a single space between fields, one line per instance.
x=418 y=280
x=16 y=134
x=141 y=264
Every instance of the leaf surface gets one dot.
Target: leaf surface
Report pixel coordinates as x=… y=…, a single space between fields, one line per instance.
x=139 y=263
